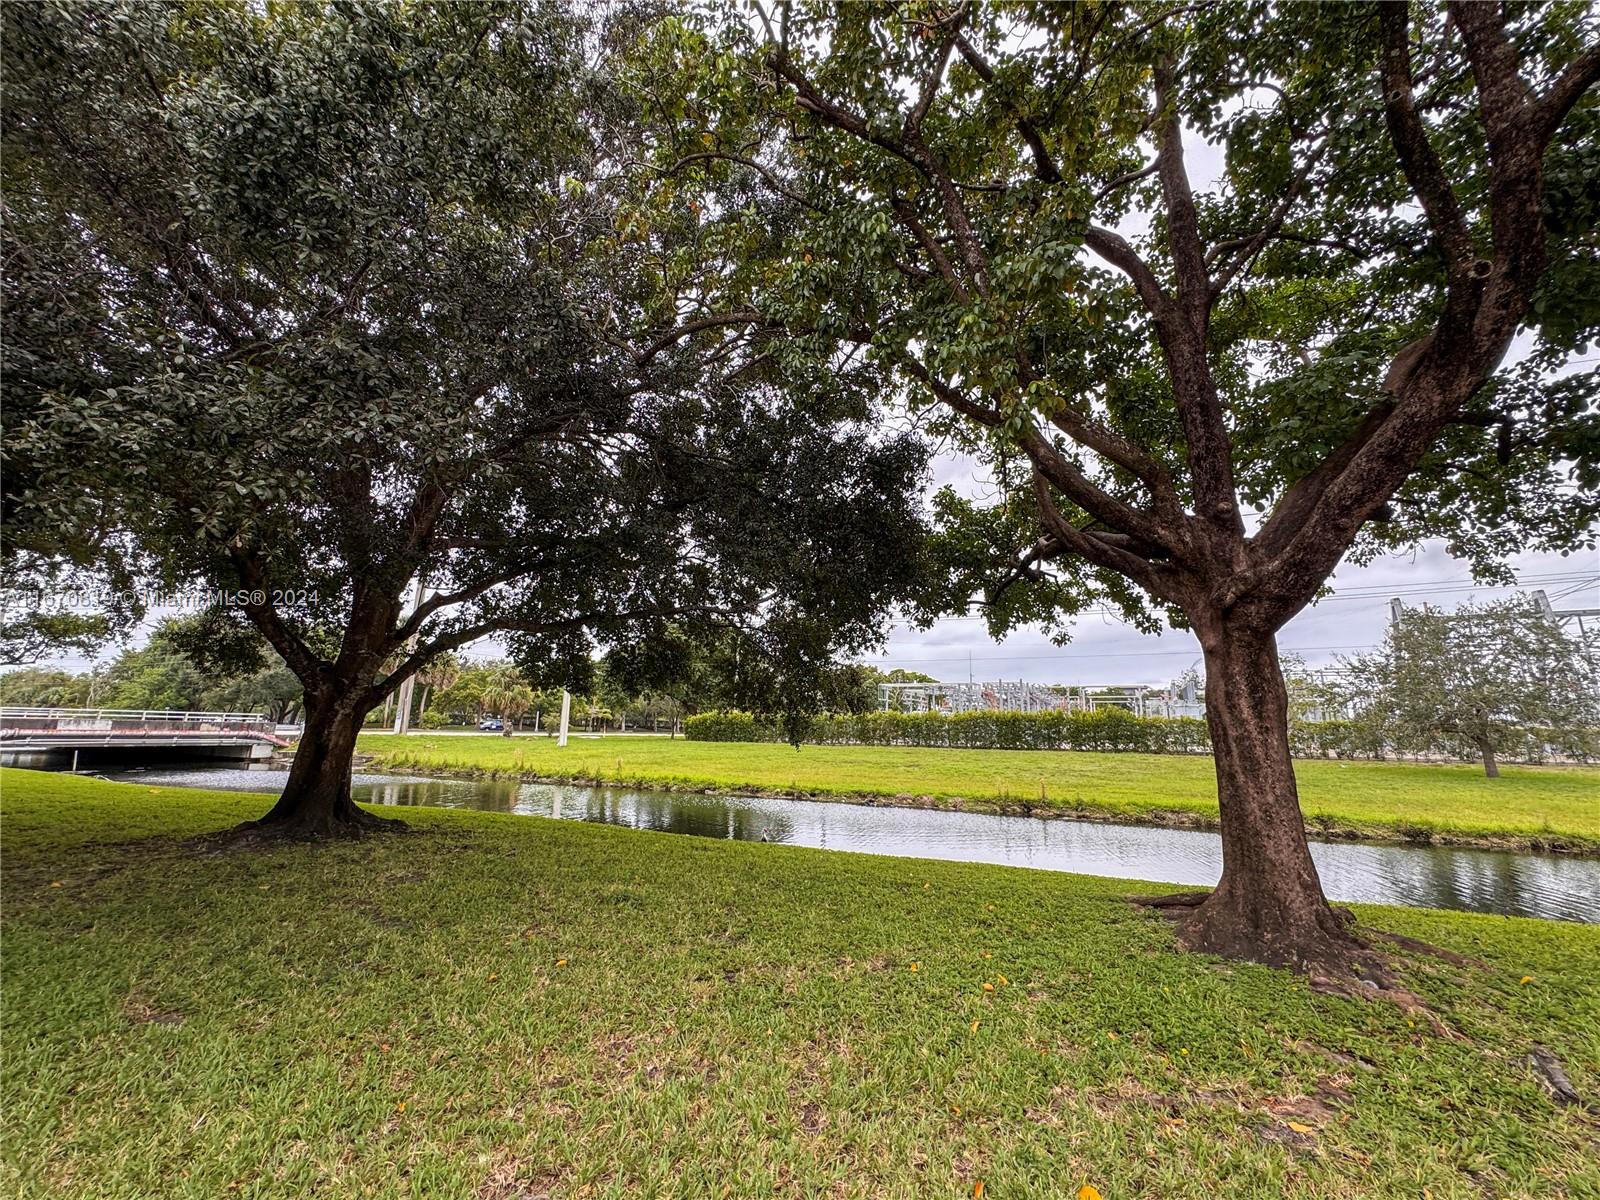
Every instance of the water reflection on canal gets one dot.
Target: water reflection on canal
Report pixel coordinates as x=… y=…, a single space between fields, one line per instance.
x=1513 y=884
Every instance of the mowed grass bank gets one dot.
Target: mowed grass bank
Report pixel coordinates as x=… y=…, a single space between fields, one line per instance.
x=501 y=1007
x=1549 y=806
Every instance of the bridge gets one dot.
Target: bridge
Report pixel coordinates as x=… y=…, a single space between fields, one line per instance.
x=58 y=737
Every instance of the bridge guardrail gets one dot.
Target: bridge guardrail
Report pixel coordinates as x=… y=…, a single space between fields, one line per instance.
x=43 y=724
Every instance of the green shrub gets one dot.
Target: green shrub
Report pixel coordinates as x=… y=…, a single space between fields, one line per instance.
x=1111 y=729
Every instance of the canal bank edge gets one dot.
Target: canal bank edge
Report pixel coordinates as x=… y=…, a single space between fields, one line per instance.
x=1319 y=828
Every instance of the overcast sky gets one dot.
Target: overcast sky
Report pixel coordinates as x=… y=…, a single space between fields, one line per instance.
x=1104 y=650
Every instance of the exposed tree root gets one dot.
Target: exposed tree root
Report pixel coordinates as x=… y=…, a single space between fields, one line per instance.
x=1407 y=1001
x=1184 y=900
x=1328 y=950
x=1418 y=946
x=265 y=833
x=1358 y=970
x=350 y=825
x=1554 y=1077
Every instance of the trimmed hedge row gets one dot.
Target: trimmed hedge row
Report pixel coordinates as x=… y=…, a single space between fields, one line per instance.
x=1107 y=729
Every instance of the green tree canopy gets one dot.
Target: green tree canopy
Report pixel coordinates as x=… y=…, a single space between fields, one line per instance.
x=1474 y=679
x=1198 y=395
x=309 y=301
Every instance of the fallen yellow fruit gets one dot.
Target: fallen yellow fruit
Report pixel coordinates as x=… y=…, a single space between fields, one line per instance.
x=1088 y=1192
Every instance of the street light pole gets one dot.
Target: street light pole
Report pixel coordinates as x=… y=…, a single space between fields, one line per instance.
x=402 y=716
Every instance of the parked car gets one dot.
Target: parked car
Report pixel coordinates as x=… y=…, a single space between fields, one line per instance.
x=491 y=725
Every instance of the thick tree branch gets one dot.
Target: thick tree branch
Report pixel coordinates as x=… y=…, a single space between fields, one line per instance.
x=813 y=101
x=696 y=325
x=1299 y=500
x=1076 y=486
x=1044 y=165
x=1025 y=568
x=1435 y=376
x=930 y=246
x=1581 y=75
x=307 y=667
x=1141 y=527
x=1183 y=219
x=1183 y=326
x=1074 y=540
x=935 y=77
x=1122 y=181
x=1117 y=449
x=1418 y=160
x=1117 y=251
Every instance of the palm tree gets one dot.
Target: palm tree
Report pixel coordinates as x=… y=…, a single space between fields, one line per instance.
x=517 y=701
x=507 y=696
x=442 y=673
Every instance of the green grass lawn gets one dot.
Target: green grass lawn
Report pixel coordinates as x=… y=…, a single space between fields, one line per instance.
x=1543 y=804
x=500 y=1007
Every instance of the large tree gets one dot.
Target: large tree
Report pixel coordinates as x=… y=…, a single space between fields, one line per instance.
x=1479 y=680
x=1198 y=398
x=325 y=299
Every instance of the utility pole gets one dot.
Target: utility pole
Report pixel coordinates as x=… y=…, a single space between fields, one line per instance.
x=402 y=716
x=1560 y=616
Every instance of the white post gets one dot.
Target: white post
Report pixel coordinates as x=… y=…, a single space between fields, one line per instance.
x=402 y=716
x=566 y=716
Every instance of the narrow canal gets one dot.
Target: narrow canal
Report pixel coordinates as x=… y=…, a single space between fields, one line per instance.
x=1511 y=884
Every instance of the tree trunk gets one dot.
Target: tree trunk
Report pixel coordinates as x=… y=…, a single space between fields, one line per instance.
x=316 y=800
x=1268 y=906
x=1490 y=767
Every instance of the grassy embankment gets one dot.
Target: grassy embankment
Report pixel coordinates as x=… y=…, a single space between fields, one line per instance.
x=509 y=1007
x=1543 y=806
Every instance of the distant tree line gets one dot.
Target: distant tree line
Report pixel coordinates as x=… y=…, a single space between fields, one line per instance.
x=163 y=674
x=1486 y=682
x=198 y=664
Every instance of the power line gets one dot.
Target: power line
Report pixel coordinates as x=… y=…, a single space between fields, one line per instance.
x=1190 y=653
x=1373 y=592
